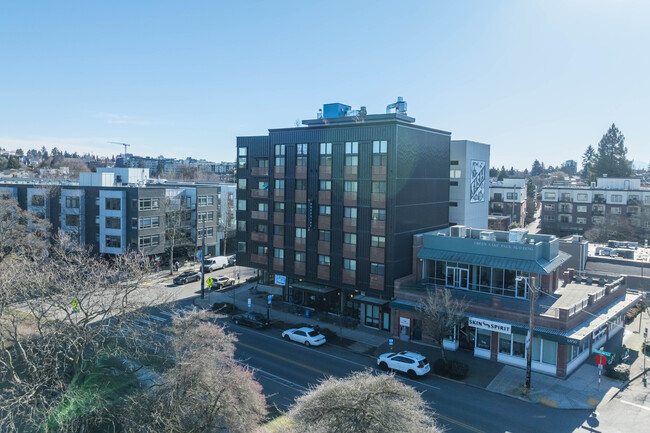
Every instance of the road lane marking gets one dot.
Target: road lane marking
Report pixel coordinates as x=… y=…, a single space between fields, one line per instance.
x=635 y=405
x=275 y=378
x=288 y=360
x=458 y=423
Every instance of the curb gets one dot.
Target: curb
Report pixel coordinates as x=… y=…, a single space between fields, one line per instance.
x=627 y=383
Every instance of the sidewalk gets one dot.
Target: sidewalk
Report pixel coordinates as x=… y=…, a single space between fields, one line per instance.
x=580 y=391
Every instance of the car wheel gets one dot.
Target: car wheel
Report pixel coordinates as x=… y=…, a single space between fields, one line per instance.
x=383 y=366
x=307 y=343
x=286 y=337
x=411 y=374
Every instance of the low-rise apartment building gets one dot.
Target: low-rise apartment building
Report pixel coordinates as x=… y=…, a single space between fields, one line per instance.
x=508 y=198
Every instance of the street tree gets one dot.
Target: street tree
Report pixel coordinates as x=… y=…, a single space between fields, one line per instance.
x=21 y=232
x=442 y=314
x=530 y=201
x=177 y=224
x=611 y=156
x=362 y=403
x=206 y=390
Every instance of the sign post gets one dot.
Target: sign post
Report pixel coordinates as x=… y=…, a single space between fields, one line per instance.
x=600 y=360
x=249 y=303
x=268 y=308
x=390 y=344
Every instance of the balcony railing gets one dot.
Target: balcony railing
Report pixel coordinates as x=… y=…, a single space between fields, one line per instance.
x=260 y=171
x=599 y=199
x=259 y=193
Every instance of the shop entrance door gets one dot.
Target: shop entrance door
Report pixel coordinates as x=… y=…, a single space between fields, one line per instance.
x=457 y=277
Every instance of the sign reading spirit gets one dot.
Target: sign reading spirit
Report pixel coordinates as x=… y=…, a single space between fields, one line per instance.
x=490 y=325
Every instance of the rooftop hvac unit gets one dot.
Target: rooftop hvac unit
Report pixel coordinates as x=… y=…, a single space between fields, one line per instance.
x=458 y=231
x=487 y=235
x=517 y=235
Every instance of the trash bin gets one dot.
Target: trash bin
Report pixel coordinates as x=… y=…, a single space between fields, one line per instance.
x=307 y=313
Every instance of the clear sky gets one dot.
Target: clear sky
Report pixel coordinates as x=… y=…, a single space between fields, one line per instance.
x=535 y=79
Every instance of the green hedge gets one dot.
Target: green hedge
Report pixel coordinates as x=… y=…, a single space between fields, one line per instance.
x=619 y=372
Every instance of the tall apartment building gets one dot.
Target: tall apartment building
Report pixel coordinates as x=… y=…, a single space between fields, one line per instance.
x=574 y=209
x=118 y=209
x=468 y=183
x=508 y=198
x=333 y=206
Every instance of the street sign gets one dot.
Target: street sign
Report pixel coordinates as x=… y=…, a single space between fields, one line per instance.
x=199 y=255
x=249 y=302
x=390 y=342
x=75 y=304
x=601 y=359
x=602 y=352
x=270 y=298
x=209 y=282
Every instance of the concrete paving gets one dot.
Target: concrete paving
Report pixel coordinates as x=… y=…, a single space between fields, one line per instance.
x=580 y=390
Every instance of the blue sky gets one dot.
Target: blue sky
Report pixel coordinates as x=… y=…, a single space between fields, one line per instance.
x=535 y=79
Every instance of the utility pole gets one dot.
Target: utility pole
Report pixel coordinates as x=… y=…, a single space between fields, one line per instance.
x=203 y=261
x=531 y=325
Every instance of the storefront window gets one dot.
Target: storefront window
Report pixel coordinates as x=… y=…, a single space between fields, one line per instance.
x=519 y=345
x=504 y=343
x=372 y=316
x=549 y=352
x=483 y=338
x=537 y=344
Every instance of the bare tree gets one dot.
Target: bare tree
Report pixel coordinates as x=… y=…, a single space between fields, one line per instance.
x=16 y=235
x=206 y=390
x=363 y=402
x=442 y=314
x=177 y=225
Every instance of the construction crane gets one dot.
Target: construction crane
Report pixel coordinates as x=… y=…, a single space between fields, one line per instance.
x=121 y=144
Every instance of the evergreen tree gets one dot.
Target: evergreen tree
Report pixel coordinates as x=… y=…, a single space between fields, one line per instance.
x=611 y=157
x=494 y=172
x=588 y=159
x=502 y=173
x=19 y=152
x=537 y=168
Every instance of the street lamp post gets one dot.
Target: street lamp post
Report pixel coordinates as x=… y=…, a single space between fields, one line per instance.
x=531 y=325
x=203 y=261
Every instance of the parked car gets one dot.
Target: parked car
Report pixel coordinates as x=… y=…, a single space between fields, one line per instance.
x=232 y=260
x=255 y=320
x=306 y=336
x=188 y=277
x=222 y=282
x=214 y=263
x=410 y=363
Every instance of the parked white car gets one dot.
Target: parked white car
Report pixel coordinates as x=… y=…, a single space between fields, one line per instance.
x=306 y=336
x=410 y=363
x=214 y=263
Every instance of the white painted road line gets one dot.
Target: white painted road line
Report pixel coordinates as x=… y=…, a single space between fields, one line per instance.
x=635 y=405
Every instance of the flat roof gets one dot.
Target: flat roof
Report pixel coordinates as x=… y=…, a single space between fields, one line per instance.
x=570 y=294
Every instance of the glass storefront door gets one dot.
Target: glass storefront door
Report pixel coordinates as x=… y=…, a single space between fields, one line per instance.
x=457 y=277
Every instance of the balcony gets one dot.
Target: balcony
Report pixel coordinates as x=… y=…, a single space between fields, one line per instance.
x=566 y=199
x=301 y=196
x=324 y=248
x=259 y=237
x=278 y=241
x=323 y=272
x=599 y=199
x=301 y=220
x=633 y=202
x=378 y=228
x=299 y=268
x=260 y=171
x=378 y=200
x=497 y=198
x=278 y=218
x=378 y=172
x=300 y=244
x=260 y=260
x=278 y=195
x=260 y=193
x=350 y=172
x=349 y=276
x=278 y=264
x=259 y=215
x=325 y=172
x=349 y=251
x=324 y=221
x=301 y=172
x=350 y=224
x=278 y=171
x=377 y=254
x=496 y=210
x=349 y=198
x=598 y=212
x=377 y=282
x=565 y=209
x=324 y=197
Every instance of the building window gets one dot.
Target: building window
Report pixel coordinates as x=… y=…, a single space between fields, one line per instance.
x=148 y=241
x=72 y=202
x=241 y=247
x=378 y=242
x=241 y=226
x=550 y=196
x=323 y=260
x=324 y=235
x=241 y=183
x=262 y=251
x=278 y=253
x=483 y=338
x=325 y=210
x=617 y=198
x=646 y=200
x=549 y=206
x=113 y=241
x=511 y=196
x=301 y=209
x=207 y=232
x=581 y=196
x=278 y=207
x=325 y=185
x=241 y=204
x=279 y=155
x=149 y=222
x=350 y=212
x=615 y=211
x=377 y=268
x=325 y=154
x=72 y=220
x=113 y=204
x=205 y=216
x=581 y=208
x=379 y=187
x=349 y=264
x=454 y=174
x=148 y=204
x=352 y=153
x=241 y=162
x=350 y=238
x=351 y=186
x=581 y=220
x=278 y=230
x=205 y=200
x=261 y=228
x=263 y=163
x=380 y=153
x=301 y=233
x=301 y=185
x=378 y=215
x=301 y=257
x=279 y=184
x=262 y=185
x=242 y=151
x=113 y=223
x=301 y=154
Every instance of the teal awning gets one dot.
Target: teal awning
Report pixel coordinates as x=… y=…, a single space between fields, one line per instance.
x=317 y=288
x=539 y=266
x=370 y=300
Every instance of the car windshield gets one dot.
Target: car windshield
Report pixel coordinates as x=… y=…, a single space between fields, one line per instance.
x=185 y=274
x=313 y=333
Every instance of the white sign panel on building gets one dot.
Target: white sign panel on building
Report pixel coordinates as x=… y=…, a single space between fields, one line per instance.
x=490 y=325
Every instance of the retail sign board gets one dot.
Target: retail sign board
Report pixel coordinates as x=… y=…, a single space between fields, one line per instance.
x=280 y=280
x=404 y=321
x=490 y=325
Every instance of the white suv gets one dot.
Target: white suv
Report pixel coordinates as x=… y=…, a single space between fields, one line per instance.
x=410 y=363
